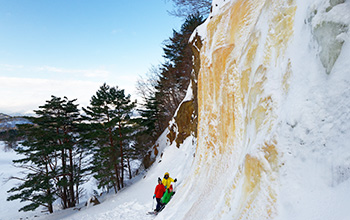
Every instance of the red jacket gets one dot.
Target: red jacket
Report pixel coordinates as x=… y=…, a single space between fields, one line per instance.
x=160 y=189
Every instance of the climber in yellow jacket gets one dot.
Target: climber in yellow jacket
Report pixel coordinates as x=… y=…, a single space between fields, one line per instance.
x=167 y=180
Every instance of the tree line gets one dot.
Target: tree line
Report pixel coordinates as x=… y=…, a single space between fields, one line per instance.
x=62 y=147
x=165 y=86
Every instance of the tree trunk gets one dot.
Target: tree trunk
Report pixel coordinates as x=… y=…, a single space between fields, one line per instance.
x=114 y=158
x=71 y=180
x=129 y=168
x=48 y=191
x=65 y=191
x=115 y=189
x=78 y=178
x=63 y=158
x=121 y=156
x=117 y=175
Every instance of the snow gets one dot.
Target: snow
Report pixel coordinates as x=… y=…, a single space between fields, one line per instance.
x=8 y=209
x=132 y=202
x=136 y=200
x=311 y=121
x=315 y=180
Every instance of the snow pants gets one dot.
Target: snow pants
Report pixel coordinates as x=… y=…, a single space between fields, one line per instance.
x=159 y=204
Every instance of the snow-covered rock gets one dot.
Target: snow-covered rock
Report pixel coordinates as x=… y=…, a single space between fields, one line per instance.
x=273 y=113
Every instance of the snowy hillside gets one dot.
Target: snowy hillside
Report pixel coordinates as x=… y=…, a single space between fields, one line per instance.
x=7 y=122
x=8 y=210
x=133 y=202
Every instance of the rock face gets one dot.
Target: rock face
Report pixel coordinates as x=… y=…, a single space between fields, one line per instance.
x=273 y=102
x=184 y=124
x=233 y=103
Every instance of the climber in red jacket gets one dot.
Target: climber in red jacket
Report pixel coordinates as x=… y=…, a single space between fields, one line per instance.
x=158 y=194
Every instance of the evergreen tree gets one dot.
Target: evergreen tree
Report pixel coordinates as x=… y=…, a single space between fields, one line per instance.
x=10 y=138
x=173 y=78
x=175 y=73
x=149 y=123
x=49 y=156
x=150 y=113
x=109 y=118
x=148 y=128
x=38 y=152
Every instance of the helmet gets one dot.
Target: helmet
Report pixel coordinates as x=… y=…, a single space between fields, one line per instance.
x=166 y=175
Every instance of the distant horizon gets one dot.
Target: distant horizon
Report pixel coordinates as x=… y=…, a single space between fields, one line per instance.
x=66 y=48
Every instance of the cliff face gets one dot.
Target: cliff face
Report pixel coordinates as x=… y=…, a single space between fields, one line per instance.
x=233 y=105
x=273 y=111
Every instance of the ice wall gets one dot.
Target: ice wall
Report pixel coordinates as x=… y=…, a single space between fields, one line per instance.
x=273 y=113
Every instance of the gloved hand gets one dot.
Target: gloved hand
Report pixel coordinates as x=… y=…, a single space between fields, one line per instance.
x=165 y=187
x=175 y=180
x=154 y=196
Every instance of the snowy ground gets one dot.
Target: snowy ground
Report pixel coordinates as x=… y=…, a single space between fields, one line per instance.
x=8 y=209
x=133 y=202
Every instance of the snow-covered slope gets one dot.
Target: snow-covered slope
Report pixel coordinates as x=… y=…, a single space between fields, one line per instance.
x=133 y=202
x=8 y=210
x=7 y=122
x=274 y=110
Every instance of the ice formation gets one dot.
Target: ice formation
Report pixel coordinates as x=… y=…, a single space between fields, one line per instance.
x=273 y=127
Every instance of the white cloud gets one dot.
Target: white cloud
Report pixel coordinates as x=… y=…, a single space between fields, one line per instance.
x=22 y=95
x=89 y=73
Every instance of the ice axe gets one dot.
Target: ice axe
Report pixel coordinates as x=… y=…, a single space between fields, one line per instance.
x=174 y=186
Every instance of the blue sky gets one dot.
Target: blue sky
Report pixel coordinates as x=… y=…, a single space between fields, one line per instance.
x=71 y=47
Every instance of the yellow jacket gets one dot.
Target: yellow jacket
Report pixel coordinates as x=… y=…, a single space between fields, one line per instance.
x=167 y=182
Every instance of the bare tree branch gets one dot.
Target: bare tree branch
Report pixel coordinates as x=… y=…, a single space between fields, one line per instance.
x=184 y=8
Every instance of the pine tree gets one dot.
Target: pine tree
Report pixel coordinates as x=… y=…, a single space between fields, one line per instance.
x=10 y=138
x=162 y=98
x=49 y=156
x=150 y=117
x=38 y=152
x=175 y=73
x=109 y=117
